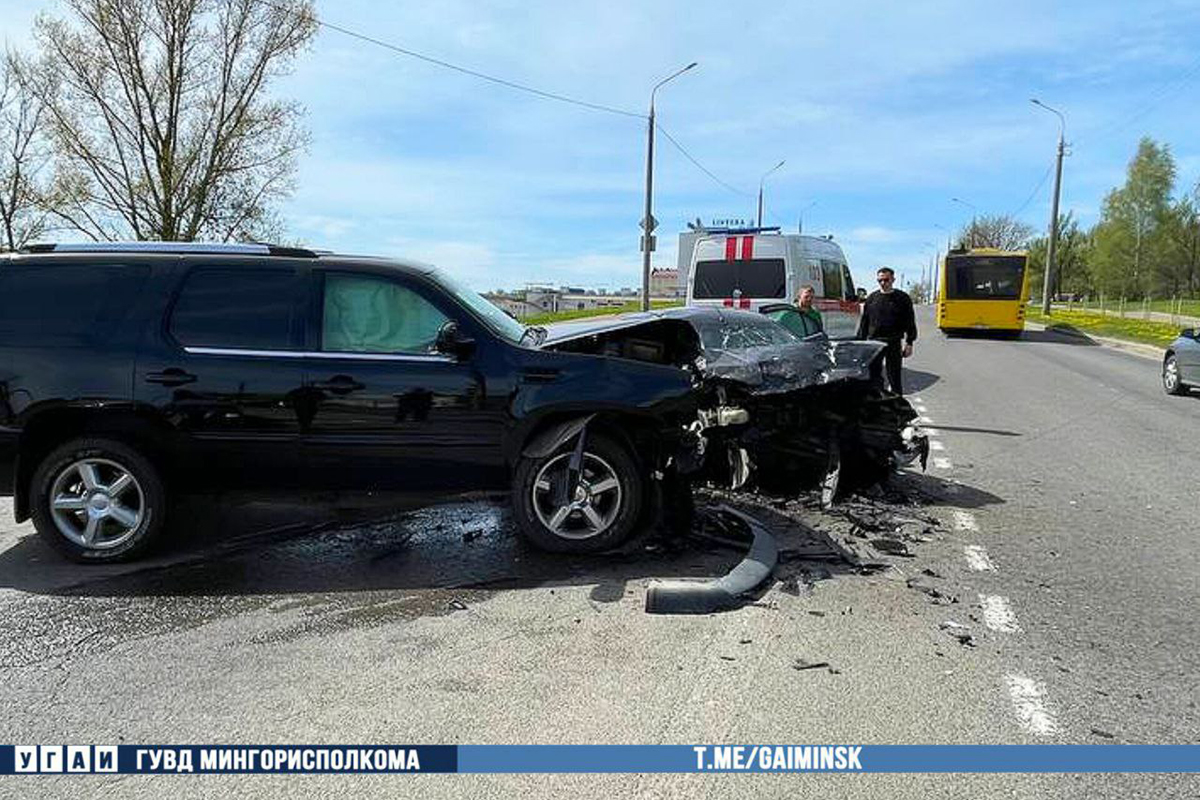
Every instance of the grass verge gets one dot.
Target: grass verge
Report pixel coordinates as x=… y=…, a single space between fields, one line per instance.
x=1159 y=334
x=585 y=313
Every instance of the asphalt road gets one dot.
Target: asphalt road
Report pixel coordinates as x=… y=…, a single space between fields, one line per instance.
x=1065 y=549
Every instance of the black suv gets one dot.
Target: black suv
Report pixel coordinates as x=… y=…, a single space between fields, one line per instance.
x=128 y=372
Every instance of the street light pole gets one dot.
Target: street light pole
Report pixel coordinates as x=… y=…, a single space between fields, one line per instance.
x=1052 y=247
x=800 y=220
x=928 y=295
x=648 y=222
x=974 y=215
x=761 y=181
x=949 y=236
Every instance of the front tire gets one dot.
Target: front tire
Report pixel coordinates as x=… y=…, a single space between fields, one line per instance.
x=98 y=501
x=1170 y=376
x=600 y=515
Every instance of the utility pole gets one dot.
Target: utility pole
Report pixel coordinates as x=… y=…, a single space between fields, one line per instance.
x=760 y=190
x=1052 y=247
x=649 y=223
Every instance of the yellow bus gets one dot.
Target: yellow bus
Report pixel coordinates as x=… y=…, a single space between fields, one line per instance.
x=983 y=289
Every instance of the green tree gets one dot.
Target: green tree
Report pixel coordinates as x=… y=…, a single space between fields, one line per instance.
x=1072 y=268
x=1130 y=242
x=161 y=118
x=1180 y=269
x=995 y=230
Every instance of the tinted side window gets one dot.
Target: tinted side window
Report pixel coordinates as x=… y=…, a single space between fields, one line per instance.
x=239 y=307
x=831 y=277
x=68 y=304
x=373 y=315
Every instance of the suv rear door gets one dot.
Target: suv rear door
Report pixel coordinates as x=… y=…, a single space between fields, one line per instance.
x=224 y=368
x=388 y=410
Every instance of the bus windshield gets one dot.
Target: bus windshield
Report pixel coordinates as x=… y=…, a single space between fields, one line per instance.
x=984 y=277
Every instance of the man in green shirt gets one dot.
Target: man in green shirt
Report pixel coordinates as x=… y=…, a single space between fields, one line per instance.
x=810 y=318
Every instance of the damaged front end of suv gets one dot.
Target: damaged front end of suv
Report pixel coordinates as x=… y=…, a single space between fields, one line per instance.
x=775 y=413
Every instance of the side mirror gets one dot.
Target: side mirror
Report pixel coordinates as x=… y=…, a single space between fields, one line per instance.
x=453 y=341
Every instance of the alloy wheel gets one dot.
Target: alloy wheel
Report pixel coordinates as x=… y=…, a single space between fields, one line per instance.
x=586 y=512
x=1171 y=375
x=97 y=503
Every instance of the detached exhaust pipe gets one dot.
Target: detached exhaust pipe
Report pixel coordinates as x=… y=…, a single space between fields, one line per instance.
x=723 y=594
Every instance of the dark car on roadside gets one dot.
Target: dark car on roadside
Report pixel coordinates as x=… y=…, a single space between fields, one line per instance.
x=1181 y=362
x=131 y=373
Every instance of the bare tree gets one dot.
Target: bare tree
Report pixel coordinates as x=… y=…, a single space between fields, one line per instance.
x=23 y=159
x=160 y=117
x=999 y=231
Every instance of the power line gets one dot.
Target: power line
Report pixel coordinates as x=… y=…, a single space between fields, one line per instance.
x=698 y=165
x=1161 y=94
x=473 y=73
x=1034 y=193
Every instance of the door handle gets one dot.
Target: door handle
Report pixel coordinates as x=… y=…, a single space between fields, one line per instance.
x=339 y=384
x=172 y=376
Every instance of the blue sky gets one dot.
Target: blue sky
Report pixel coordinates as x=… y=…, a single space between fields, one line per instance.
x=883 y=112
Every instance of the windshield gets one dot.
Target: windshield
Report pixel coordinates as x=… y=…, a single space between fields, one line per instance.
x=984 y=277
x=743 y=331
x=756 y=277
x=492 y=315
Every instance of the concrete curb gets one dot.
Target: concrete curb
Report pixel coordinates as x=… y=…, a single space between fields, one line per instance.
x=1134 y=348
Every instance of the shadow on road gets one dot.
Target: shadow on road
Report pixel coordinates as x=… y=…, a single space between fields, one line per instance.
x=988 y=431
x=917 y=381
x=930 y=490
x=225 y=549
x=345 y=565
x=1049 y=336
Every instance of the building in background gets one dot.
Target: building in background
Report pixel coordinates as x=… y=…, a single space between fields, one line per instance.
x=664 y=284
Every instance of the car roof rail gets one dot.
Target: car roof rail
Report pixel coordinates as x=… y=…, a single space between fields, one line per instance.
x=178 y=248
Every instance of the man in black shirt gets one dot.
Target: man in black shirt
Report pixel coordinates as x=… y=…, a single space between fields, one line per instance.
x=887 y=316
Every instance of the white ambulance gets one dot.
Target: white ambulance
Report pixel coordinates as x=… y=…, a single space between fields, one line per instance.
x=752 y=267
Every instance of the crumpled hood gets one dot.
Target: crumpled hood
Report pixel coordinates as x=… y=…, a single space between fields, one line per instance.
x=764 y=369
x=785 y=368
x=557 y=332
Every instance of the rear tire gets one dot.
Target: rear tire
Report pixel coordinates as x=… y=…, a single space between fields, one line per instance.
x=97 y=501
x=602 y=515
x=1172 y=384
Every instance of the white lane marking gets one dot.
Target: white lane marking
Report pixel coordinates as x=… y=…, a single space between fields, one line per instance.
x=977 y=559
x=932 y=432
x=924 y=420
x=920 y=409
x=918 y=400
x=943 y=463
x=965 y=521
x=998 y=614
x=1028 y=697
x=936 y=446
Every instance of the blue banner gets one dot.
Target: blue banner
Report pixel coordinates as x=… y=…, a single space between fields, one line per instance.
x=400 y=759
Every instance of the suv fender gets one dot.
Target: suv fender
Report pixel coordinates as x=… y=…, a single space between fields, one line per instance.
x=48 y=429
